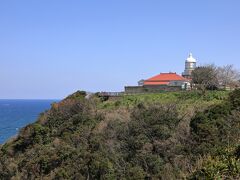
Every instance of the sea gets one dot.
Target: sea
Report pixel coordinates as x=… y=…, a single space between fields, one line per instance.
x=16 y=114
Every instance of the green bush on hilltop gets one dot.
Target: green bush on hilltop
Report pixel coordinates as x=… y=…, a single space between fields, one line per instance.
x=216 y=132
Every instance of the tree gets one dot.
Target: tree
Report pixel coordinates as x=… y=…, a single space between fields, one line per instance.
x=205 y=77
x=228 y=76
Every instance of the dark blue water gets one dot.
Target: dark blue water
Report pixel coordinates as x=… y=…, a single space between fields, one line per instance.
x=15 y=114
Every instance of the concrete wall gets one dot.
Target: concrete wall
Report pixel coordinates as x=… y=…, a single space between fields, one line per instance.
x=150 y=89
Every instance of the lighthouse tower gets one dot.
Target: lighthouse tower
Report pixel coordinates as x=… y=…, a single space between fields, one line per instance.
x=190 y=65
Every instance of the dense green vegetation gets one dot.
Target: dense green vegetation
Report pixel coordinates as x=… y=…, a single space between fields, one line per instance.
x=173 y=135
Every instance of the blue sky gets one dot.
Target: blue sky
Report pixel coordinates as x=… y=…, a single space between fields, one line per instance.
x=51 y=48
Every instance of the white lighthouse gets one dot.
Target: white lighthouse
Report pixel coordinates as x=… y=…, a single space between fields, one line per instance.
x=190 y=65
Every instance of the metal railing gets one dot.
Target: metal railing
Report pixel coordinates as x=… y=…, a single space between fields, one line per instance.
x=111 y=94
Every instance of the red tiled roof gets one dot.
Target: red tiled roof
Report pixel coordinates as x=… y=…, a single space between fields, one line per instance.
x=164 y=79
x=167 y=77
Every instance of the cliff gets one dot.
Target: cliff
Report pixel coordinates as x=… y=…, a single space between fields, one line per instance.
x=154 y=136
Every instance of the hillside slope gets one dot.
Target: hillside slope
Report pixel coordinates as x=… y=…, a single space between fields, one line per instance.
x=154 y=136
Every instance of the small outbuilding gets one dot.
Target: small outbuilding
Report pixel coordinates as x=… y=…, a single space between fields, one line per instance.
x=167 y=79
x=161 y=82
